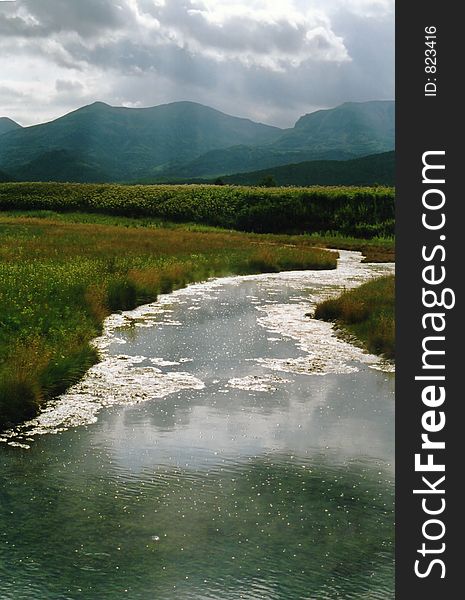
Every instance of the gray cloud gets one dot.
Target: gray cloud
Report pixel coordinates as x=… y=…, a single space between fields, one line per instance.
x=247 y=32
x=65 y=85
x=9 y=93
x=18 y=26
x=85 y=17
x=258 y=58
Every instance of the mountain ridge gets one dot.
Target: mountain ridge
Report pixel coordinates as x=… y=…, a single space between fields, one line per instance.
x=351 y=130
x=7 y=125
x=99 y=142
x=126 y=143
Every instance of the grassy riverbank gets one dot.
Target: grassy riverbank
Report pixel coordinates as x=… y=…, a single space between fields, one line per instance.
x=377 y=249
x=367 y=312
x=62 y=275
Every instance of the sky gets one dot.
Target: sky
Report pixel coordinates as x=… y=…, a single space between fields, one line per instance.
x=268 y=60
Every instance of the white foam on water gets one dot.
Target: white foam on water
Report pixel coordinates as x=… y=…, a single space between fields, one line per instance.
x=257 y=383
x=116 y=380
x=161 y=362
x=324 y=352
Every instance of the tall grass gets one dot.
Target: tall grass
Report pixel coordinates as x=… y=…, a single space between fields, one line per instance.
x=368 y=312
x=59 y=280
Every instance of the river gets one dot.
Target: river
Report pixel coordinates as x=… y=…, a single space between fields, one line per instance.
x=227 y=447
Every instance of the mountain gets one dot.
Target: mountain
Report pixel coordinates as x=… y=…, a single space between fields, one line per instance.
x=369 y=170
x=125 y=143
x=7 y=125
x=360 y=128
x=350 y=130
x=185 y=140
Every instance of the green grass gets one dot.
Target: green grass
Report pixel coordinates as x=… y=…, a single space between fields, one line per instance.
x=366 y=312
x=361 y=212
x=61 y=275
x=377 y=249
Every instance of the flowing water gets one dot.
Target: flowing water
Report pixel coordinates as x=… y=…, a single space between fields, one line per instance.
x=227 y=447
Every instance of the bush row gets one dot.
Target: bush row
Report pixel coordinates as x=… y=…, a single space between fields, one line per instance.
x=353 y=211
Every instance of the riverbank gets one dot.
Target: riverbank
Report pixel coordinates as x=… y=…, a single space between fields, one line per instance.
x=367 y=312
x=60 y=278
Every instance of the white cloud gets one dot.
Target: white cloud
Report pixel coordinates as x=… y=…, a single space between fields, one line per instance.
x=371 y=8
x=270 y=35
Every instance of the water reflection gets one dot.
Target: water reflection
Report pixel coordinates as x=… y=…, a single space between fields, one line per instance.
x=269 y=526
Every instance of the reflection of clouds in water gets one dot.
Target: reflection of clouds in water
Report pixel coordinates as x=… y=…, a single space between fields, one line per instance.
x=339 y=416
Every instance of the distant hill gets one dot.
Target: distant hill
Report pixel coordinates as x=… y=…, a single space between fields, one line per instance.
x=60 y=165
x=4 y=177
x=347 y=131
x=185 y=140
x=369 y=170
x=7 y=125
x=360 y=128
x=240 y=159
x=126 y=143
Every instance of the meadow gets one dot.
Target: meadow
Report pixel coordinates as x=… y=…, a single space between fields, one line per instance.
x=366 y=312
x=360 y=212
x=62 y=274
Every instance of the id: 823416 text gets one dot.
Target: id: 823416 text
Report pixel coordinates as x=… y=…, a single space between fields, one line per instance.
x=431 y=57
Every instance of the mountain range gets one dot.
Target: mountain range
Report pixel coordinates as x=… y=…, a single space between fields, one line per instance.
x=184 y=141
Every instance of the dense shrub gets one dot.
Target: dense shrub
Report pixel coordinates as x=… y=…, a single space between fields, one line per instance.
x=351 y=211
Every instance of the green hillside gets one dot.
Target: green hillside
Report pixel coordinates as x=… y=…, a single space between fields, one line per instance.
x=4 y=177
x=240 y=159
x=60 y=165
x=360 y=128
x=185 y=141
x=347 y=131
x=369 y=170
x=7 y=125
x=127 y=143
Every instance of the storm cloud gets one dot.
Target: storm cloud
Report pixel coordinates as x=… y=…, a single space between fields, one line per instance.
x=271 y=60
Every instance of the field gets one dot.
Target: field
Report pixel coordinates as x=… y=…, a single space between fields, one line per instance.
x=363 y=212
x=366 y=312
x=61 y=275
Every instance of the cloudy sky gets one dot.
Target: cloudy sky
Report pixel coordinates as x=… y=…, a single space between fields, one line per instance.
x=270 y=60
